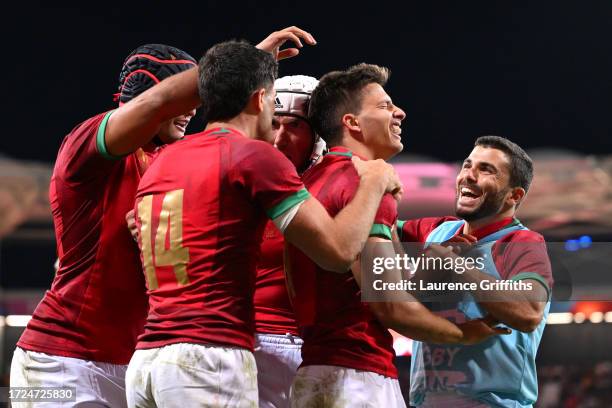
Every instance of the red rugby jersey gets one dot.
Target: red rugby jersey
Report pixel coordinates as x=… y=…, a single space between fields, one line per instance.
x=273 y=311
x=201 y=209
x=97 y=304
x=337 y=328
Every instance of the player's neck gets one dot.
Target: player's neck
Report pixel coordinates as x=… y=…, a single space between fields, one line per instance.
x=357 y=148
x=471 y=226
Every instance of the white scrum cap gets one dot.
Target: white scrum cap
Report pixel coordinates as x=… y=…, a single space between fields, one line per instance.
x=293 y=94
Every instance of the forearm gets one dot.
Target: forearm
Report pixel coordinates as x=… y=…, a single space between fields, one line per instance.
x=352 y=226
x=407 y=316
x=314 y=232
x=519 y=309
x=134 y=124
x=412 y=319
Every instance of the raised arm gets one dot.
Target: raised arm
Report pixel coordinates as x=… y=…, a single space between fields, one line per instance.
x=522 y=310
x=134 y=124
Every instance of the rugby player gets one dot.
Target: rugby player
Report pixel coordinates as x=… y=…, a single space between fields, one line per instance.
x=83 y=332
x=277 y=343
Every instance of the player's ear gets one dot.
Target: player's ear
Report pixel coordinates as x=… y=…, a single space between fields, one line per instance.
x=516 y=196
x=257 y=101
x=351 y=122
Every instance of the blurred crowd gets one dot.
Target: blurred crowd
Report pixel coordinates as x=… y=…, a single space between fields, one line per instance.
x=573 y=386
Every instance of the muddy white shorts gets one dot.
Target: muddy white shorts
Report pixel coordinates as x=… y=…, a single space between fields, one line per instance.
x=186 y=375
x=278 y=358
x=334 y=386
x=97 y=385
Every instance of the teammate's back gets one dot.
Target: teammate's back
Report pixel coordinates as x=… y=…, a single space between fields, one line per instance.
x=210 y=222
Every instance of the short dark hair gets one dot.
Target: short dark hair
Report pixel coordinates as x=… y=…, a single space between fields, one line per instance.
x=229 y=73
x=521 y=165
x=338 y=93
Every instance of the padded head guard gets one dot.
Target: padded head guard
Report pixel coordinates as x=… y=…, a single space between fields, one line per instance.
x=147 y=65
x=293 y=94
x=292 y=98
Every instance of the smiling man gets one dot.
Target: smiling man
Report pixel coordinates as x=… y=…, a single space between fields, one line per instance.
x=501 y=371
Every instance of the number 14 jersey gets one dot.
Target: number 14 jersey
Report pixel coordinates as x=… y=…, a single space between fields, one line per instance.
x=201 y=209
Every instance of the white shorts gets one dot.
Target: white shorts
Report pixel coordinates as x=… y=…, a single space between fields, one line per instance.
x=323 y=386
x=186 y=375
x=97 y=384
x=278 y=358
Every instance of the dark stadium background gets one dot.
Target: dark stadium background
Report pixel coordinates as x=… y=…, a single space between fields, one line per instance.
x=535 y=72
x=539 y=73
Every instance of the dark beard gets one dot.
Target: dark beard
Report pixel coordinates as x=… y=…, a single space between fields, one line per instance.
x=491 y=206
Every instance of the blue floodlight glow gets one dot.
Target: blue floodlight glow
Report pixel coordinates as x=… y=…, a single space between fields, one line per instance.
x=585 y=241
x=572 y=245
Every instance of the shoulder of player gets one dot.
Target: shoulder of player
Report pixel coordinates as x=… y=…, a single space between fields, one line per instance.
x=437 y=221
x=428 y=224
x=243 y=148
x=335 y=180
x=247 y=155
x=343 y=175
x=418 y=229
x=514 y=243
x=521 y=236
x=320 y=173
x=88 y=127
x=343 y=165
x=79 y=157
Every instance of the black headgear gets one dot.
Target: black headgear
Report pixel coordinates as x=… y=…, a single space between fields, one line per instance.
x=148 y=65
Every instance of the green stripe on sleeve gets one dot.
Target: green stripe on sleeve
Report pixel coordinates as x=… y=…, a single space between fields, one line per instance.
x=400 y=229
x=381 y=230
x=288 y=203
x=101 y=143
x=534 y=276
